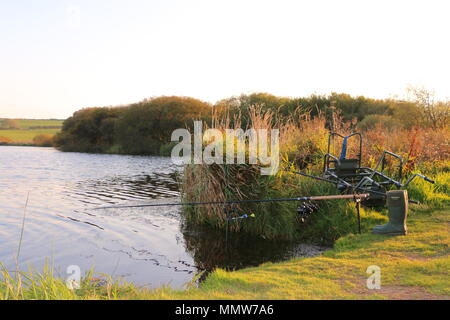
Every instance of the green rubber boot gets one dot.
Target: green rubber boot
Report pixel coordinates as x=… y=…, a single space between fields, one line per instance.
x=397 y=203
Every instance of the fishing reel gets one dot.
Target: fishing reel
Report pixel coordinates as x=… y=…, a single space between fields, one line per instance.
x=305 y=209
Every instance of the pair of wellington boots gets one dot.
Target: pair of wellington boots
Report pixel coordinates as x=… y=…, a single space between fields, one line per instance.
x=397 y=204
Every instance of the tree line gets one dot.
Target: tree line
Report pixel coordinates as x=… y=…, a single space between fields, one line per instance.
x=142 y=128
x=145 y=127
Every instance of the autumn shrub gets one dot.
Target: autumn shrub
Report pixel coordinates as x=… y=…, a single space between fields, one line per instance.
x=5 y=140
x=416 y=146
x=43 y=140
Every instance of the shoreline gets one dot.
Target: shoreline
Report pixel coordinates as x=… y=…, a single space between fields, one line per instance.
x=24 y=145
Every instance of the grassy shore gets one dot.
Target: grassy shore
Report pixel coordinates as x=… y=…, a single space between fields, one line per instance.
x=416 y=266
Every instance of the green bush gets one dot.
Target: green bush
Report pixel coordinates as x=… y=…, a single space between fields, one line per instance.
x=89 y=130
x=141 y=128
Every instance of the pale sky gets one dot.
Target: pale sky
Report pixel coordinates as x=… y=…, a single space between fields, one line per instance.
x=57 y=56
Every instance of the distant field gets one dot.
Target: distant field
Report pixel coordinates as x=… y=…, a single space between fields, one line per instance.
x=27 y=123
x=27 y=129
x=25 y=136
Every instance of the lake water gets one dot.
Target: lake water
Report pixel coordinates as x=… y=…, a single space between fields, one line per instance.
x=148 y=246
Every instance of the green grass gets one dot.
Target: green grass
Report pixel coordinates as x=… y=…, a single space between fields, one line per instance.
x=33 y=285
x=27 y=123
x=25 y=136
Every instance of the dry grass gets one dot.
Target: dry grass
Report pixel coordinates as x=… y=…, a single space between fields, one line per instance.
x=416 y=146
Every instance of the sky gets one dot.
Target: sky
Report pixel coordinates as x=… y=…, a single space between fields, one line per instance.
x=58 y=56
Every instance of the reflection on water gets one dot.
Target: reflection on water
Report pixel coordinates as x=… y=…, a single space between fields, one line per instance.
x=213 y=249
x=145 y=245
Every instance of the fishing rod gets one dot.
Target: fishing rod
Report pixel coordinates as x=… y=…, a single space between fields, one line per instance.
x=304 y=210
x=309 y=198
